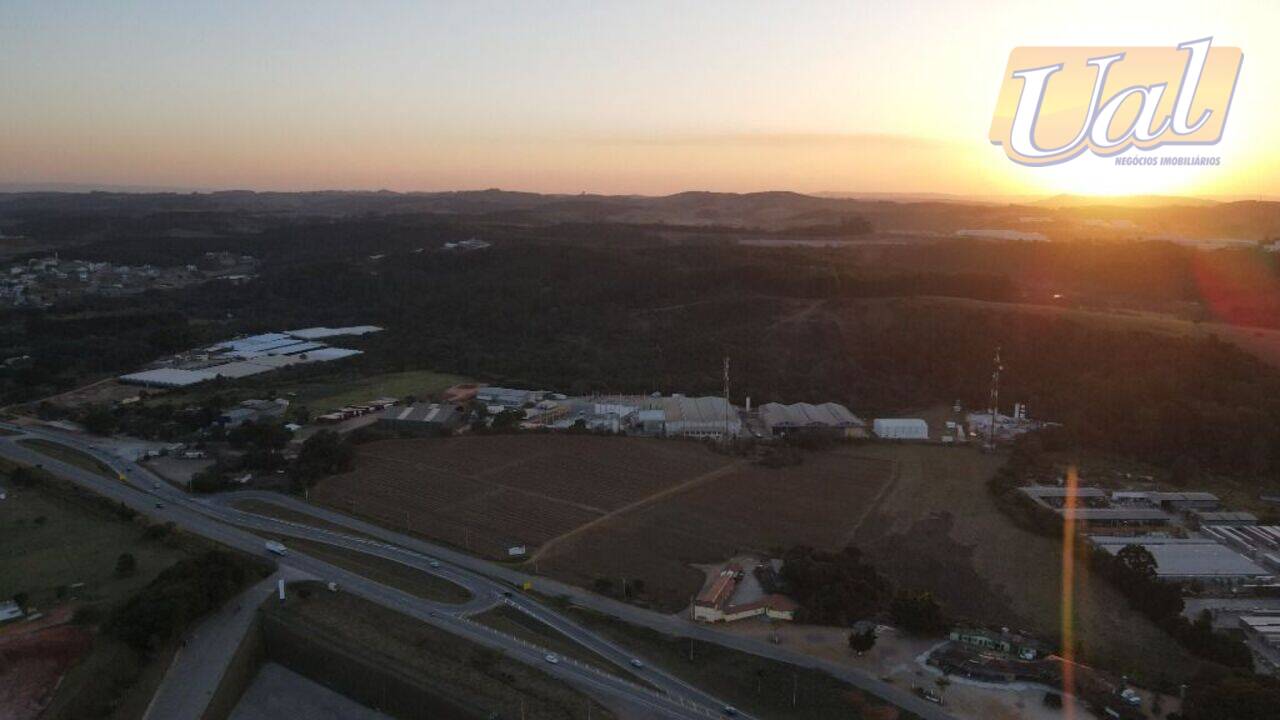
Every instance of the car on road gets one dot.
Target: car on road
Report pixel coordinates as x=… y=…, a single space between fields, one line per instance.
x=730 y=710
x=155 y=486
x=435 y=563
x=276 y=547
x=553 y=658
x=159 y=506
x=635 y=662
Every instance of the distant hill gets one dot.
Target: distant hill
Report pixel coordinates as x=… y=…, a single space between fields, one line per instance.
x=1131 y=201
x=922 y=215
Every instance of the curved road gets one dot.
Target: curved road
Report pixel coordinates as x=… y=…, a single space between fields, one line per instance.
x=489 y=583
x=150 y=496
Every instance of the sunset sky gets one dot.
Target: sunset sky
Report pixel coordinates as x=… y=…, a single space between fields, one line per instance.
x=583 y=96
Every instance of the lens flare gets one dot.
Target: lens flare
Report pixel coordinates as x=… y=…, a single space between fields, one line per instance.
x=1068 y=593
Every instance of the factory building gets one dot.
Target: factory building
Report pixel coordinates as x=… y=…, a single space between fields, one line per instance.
x=253 y=411
x=782 y=419
x=1185 y=559
x=1185 y=501
x=900 y=429
x=510 y=398
x=245 y=356
x=422 y=419
x=703 y=417
x=1262 y=635
x=1225 y=518
x=167 y=377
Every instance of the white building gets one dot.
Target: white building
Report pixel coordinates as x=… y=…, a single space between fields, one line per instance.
x=1185 y=559
x=901 y=428
x=698 y=417
x=781 y=419
x=1262 y=634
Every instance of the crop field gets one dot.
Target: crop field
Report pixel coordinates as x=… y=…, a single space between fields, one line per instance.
x=750 y=508
x=920 y=513
x=486 y=494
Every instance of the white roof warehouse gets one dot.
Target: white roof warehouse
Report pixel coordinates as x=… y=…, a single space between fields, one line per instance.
x=781 y=419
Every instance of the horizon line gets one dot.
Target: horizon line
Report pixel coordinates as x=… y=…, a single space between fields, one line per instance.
x=76 y=188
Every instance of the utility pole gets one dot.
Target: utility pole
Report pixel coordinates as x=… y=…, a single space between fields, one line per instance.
x=994 y=399
x=727 y=407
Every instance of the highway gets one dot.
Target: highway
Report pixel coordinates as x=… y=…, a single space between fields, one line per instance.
x=155 y=498
x=490 y=583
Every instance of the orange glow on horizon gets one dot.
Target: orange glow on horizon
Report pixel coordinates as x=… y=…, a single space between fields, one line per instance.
x=606 y=98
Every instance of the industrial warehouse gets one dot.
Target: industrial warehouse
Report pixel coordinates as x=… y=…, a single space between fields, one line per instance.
x=1187 y=533
x=246 y=356
x=782 y=419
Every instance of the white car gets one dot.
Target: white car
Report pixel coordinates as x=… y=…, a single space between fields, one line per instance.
x=635 y=662
x=435 y=563
x=553 y=658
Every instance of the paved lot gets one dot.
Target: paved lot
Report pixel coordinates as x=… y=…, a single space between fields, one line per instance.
x=198 y=667
x=277 y=693
x=179 y=470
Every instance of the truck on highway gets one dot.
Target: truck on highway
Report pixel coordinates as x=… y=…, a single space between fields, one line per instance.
x=276 y=547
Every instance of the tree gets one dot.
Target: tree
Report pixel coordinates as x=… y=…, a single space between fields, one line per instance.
x=208 y=480
x=126 y=565
x=918 y=614
x=99 y=421
x=861 y=642
x=833 y=588
x=1139 y=560
x=324 y=453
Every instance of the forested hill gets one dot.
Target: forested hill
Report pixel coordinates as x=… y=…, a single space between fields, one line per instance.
x=618 y=309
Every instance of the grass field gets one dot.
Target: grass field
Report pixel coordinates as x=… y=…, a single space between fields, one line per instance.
x=936 y=528
x=438 y=659
x=70 y=456
x=513 y=622
x=272 y=510
x=326 y=397
x=51 y=540
x=48 y=541
x=388 y=572
x=765 y=688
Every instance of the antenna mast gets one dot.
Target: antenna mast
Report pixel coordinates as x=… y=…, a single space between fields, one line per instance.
x=995 y=399
x=727 y=407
